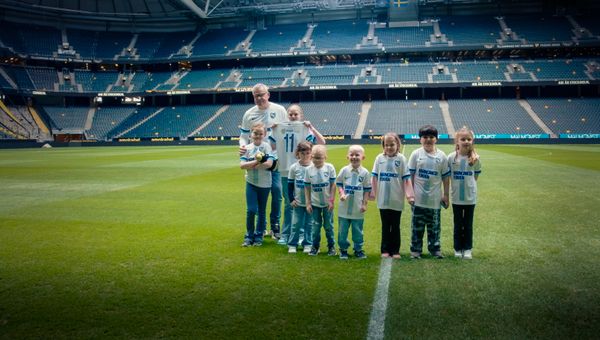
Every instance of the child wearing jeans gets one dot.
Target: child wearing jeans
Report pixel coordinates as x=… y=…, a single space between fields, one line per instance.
x=257 y=158
x=319 y=186
x=354 y=185
x=429 y=170
x=465 y=168
x=301 y=218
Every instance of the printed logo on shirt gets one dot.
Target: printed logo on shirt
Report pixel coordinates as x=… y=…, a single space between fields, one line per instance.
x=397 y=163
x=272 y=114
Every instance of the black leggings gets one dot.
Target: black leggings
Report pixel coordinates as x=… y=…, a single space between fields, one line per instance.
x=463 y=226
x=390 y=231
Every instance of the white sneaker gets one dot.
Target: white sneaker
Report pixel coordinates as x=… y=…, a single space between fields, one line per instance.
x=291 y=250
x=307 y=249
x=468 y=255
x=458 y=253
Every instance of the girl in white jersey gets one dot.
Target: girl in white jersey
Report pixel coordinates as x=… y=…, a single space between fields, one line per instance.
x=257 y=158
x=390 y=183
x=465 y=168
x=286 y=136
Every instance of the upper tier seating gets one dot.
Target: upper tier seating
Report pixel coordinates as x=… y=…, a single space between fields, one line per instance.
x=278 y=38
x=339 y=35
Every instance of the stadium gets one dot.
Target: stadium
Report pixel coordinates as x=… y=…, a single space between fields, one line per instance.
x=123 y=206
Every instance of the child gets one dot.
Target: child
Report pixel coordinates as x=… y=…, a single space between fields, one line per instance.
x=257 y=158
x=465 y=168
x=391 y=182
x=301 y=219
x=319 y=186
x=286 y=136
x=429 y=170
x=354 y=185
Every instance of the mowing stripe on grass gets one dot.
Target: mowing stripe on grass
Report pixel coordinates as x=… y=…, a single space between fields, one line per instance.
x=377 y=319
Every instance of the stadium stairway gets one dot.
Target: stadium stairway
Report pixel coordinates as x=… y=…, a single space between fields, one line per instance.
x=447 y=118
x=525 y=105
x=364 y=114
x=205 y=124
x=139 y=123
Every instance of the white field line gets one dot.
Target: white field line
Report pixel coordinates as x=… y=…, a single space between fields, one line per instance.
x=377 y=319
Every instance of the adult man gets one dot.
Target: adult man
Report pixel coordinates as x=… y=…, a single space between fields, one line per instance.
x=268 y=113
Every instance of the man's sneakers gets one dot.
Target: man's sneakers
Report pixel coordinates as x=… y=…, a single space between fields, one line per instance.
x=343 y=254
x=467 y=255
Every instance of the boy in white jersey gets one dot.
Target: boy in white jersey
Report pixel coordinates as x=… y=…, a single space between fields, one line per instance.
x=301 y=219
x=354 y=185
x=390 y=183
x=429 y=170
x=268 y=113
x=465 y=168
x=286 y=136
x=319 y=186
x=256 y=160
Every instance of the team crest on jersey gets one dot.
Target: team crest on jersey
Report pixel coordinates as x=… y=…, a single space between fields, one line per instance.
x=272 y=115
x=397 y=163
x=361 y=179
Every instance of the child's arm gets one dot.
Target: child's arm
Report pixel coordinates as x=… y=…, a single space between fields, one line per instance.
x=248 y=164
x=331 y=196
x=315 y=132
x=307 y=190
x=409 y=192
x=363 y=206
x=373 y=192
x=340 y=188
x=446 y=183
x=290 y=189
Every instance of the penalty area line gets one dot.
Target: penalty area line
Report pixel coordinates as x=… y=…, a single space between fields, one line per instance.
x=377 y=319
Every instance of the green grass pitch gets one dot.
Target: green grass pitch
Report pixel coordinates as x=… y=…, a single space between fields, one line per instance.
x=145 y=242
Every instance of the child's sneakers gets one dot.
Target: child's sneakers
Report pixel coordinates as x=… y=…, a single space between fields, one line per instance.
x=292 y=250
x=458 y=254
x=247 y=243
x=360 y=255
x=307 y=249
x=314 y=251
x=331 y=251
x=257 y=243
x=343 y=254
x=282 y=241
x=415 y=255
x=438 y=254
x=468 y=255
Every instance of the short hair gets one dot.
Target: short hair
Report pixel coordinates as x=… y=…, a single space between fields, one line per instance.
x=356 y=147
x=300 y=110
x=428 y=130
x=260 y=85
x=258 y=125
x=319 y=149
x=303 y=146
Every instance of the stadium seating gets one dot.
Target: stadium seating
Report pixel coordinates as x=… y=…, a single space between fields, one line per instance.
x=277 y=39
x=333 y=117
x=71 y=119
x=339 y=35
x=227 y=123
x=107 y=118
x=413 y=37
x=534 y=29
x=568 y=116
x=472 y=30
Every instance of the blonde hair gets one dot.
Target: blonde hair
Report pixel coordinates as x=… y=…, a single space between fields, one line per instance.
x=356 y=147
x=395 y=137
x=319 y=149
x=472 y=155
x=259 y=125
x=296 y=106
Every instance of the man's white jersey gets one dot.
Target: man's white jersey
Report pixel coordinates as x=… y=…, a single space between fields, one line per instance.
x=355 y=183
x=390 y=173
x=429 y=169
x=258 y=177
x=462 y=179
x=286 y=137
x=320 y=182
x=274 y=114
x=296 y=175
